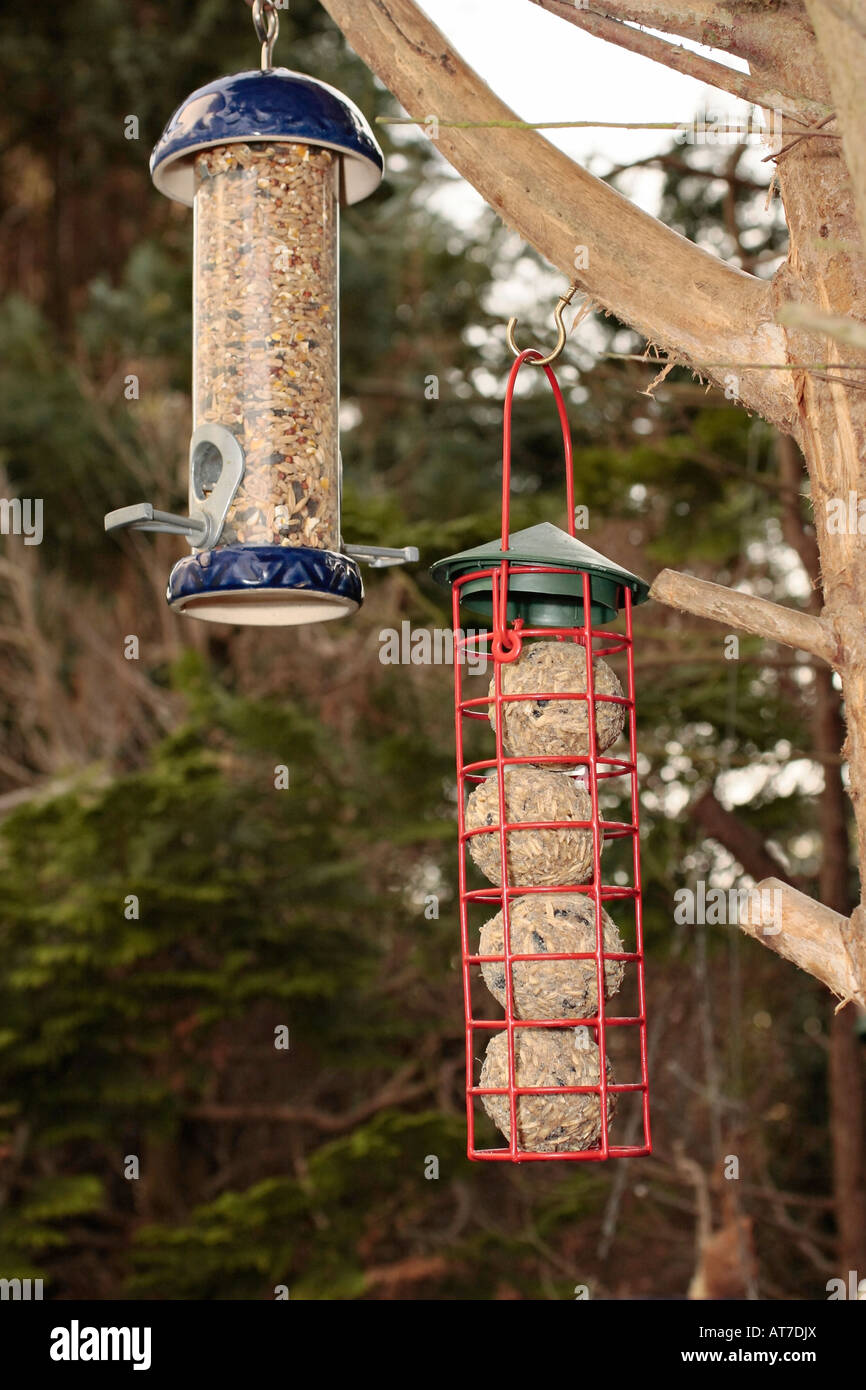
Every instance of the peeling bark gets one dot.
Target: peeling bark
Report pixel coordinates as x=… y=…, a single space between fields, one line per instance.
x=842 y=42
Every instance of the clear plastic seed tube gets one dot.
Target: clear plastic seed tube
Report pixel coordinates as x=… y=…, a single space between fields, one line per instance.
x=267 y=335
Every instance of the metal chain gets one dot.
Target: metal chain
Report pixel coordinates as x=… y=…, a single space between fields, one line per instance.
x=267 y=26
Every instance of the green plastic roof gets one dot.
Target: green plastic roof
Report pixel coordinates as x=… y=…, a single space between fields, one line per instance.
x=540 y=545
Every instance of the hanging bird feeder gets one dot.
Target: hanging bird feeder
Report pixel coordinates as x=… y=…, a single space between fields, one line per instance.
x=265 y=158
x=535 y=817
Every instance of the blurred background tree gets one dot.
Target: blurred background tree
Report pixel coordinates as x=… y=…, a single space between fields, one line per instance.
x=165 y=913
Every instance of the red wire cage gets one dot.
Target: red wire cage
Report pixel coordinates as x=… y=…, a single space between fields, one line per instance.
x=597 y=773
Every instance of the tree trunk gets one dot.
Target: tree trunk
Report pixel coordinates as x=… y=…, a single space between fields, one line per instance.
x=847 y=1137
x=846 y=1086
x=826 y=267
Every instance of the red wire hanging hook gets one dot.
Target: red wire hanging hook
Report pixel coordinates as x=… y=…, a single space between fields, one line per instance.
x=513 y=884
x=506 y=645
x=533 y=355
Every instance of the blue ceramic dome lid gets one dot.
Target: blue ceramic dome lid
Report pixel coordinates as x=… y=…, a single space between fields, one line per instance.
x=276 y=105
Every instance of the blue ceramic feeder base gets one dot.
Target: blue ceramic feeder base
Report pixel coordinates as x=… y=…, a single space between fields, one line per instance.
x=265 y=585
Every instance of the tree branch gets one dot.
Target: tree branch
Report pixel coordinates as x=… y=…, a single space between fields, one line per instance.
x=771 y=621
x=772 y=40
x=398 y=1091
x=682 y=166
x=412 y=1270
x=665 y=287
x=679 y=59
x=746 y=845
x=814 y=937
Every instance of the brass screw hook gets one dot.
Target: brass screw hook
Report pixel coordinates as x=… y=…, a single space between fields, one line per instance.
x=562 y=332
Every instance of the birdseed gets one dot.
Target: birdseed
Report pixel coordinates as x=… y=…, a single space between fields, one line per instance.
x=266 y=333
